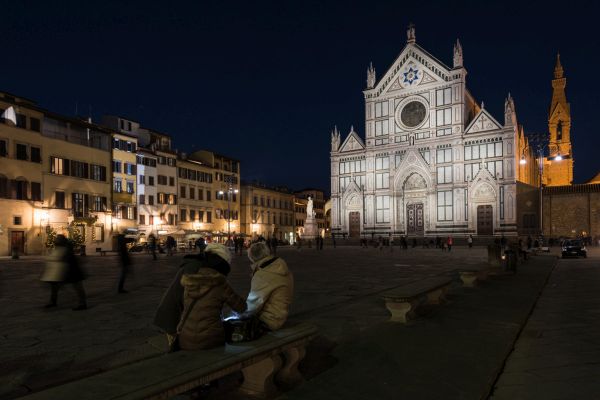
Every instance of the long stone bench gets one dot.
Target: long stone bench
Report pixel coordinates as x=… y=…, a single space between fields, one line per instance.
x=166 y=376
x=403 y=301
x=470 y=276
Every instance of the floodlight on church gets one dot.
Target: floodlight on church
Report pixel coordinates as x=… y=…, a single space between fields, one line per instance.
x=523 y=161
x=558 y=157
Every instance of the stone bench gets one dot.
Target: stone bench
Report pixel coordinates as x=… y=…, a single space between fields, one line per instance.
x=403 y=301
x=168 y=375
x=99 y=250
x=470 y=276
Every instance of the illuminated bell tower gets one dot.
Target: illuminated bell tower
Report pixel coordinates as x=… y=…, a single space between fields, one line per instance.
x=558 y=166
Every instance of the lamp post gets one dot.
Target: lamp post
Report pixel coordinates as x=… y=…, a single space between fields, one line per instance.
x=230 y=191
x=540 y=144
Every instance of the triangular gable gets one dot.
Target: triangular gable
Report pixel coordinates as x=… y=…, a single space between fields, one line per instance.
x=412 y=162
x=482 y=186
x=483 y=122
x=558 y=111
x=398 y=76
x=352 y=142
x=351 y=188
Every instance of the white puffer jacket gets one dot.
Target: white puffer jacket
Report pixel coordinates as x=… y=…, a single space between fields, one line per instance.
x=271 y=291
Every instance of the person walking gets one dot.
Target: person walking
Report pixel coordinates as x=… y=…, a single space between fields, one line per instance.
x=170 y=245
x=321 y=242
x=62 y=267
x=124 y=260
x=380 y=243
x=152 y=245
x=274 y=245
x=470 y=241
x=333 y=239
x=450 y=242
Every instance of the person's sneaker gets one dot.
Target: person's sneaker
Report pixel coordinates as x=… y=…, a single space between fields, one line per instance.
x=50 y=305
x=80 y=307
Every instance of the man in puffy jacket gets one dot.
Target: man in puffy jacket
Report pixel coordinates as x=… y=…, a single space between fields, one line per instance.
x=271 y=289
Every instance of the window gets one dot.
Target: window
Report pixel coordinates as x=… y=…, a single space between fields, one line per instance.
x=4 y=192
x=382 y=209
x=466 y=204
x=208 y=217
x=444 y=117
x=150 y=181
x=381 y=109
x=3 y=148
x=382 y=163
x=162 y=180
x=78 y=204
x=444 y=174
x=142 y=219
x=17 y=220
x=142 y=199
x=425 y=153
x=59 y=199
x=382 y=180
x=131 y=213
x=344 y=182
x=162 y=198
x=21 y=121
x=79 y=169
x=422 y=135
x=116 y=166
x=150 y=200
x=483 y=150
x=21 y=152
x=255 y=200
x=98 y=172
x=34 y=124
x=443 y=97
x=208 y=195
x=192 y=215
x=470 y=171
x=444 y=155
x=382 y=127
x=444 y=205
x=495 y=168
x=443 y=132
x=36 y=191
x=99 y=203
x=182 y=192
x=183 y=215
x=171 y=181
x=142 y=180
x=129 y=169
x=200 y=194
x=192 y=193
x=36 y=154
x=172 y=199
x=117 y=186
x=171 y=219
x=21 y=189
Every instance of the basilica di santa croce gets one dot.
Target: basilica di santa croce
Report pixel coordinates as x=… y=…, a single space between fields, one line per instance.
x=434 y=161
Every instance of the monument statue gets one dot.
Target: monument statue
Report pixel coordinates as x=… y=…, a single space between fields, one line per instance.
x=311 y=229
x=309 y=208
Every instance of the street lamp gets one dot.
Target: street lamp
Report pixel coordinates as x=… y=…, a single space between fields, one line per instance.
x=230 y=191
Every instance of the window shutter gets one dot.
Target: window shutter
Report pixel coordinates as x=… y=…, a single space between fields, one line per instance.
x=86 y=203
x=66 y=167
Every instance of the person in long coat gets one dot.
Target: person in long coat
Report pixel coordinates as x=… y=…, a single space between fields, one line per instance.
x=62 y=267
x=125 y=261
x=202 y=277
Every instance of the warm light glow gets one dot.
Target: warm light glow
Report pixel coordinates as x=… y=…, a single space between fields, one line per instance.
x=221 y=192
x=523 y=161
x=235 y=191
x=558 y=157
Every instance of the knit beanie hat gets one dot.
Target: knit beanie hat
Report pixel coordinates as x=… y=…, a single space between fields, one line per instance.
x=219 y=250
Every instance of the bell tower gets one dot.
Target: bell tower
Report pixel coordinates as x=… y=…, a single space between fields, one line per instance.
x=558 y=166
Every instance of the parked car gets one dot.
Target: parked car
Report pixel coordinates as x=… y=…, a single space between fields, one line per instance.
x=573 y=248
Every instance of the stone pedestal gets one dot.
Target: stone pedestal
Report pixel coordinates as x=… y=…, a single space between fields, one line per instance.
x=311 y=229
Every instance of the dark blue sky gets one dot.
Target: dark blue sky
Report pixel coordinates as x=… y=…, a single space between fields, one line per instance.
x=265 y=82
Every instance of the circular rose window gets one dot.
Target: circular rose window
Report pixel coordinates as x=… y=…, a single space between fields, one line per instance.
x=413 y=114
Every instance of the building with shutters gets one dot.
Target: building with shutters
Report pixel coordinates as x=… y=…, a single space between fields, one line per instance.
x=55 y=178
x=433 y=160
x=267 y=212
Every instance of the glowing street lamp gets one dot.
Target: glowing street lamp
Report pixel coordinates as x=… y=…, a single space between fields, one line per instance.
x=558 y=157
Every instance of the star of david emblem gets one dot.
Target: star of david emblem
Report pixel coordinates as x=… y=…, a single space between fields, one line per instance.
x=411 y=75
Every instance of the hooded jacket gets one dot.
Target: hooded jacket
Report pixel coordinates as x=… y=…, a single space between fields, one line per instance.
x=203 y=327
x=271 y=291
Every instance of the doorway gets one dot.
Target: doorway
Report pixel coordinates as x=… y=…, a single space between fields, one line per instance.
x=485 y=220
x=414 y=219
x=17 y=241
x=354 y=224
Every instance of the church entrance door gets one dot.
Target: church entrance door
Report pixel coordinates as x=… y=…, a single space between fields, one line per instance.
x=485 y=220
x=354 y=224
x=414 y=218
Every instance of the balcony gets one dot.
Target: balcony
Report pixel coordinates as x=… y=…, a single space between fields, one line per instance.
x=123 y=197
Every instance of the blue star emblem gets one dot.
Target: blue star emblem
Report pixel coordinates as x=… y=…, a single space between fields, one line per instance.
x=411 y=75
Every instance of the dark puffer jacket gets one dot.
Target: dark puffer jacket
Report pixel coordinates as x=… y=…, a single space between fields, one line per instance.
x=203 y=328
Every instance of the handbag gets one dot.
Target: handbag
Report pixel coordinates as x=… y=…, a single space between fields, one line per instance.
x=174 y=345
x=243 y=329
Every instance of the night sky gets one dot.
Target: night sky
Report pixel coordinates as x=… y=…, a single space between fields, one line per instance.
x=266 y=82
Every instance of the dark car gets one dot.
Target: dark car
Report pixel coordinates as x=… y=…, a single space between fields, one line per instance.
x=573 y=248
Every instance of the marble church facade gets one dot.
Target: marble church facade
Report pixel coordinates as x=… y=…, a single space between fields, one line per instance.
x=433 y=160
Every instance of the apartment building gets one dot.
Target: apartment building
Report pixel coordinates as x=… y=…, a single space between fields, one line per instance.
x=267 y=211
x=195 y=183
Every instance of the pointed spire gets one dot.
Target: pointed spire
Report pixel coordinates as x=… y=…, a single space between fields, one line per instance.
x=410 y=33
x=458 y=54
x=351 y=128
x=335 y=139
x=482 y=105
x=558 y=69
x=371 y=77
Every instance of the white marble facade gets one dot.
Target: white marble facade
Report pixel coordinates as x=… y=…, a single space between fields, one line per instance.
x=433 y=162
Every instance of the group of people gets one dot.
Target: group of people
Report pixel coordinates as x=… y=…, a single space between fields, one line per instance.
x=191 y=309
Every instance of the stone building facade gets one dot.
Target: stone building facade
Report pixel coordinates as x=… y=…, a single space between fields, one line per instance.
x=434 y=161
x=572 y=211
x=267 y=211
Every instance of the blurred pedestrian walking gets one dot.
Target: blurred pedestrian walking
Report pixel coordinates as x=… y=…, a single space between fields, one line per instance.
x=124 y=260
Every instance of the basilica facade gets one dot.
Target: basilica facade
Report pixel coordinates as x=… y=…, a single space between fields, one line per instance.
x=433 y=160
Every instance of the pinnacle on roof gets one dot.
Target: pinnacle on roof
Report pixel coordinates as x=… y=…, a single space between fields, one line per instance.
x=558 y=69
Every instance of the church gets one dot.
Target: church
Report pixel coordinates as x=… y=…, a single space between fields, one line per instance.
x=433 y=160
